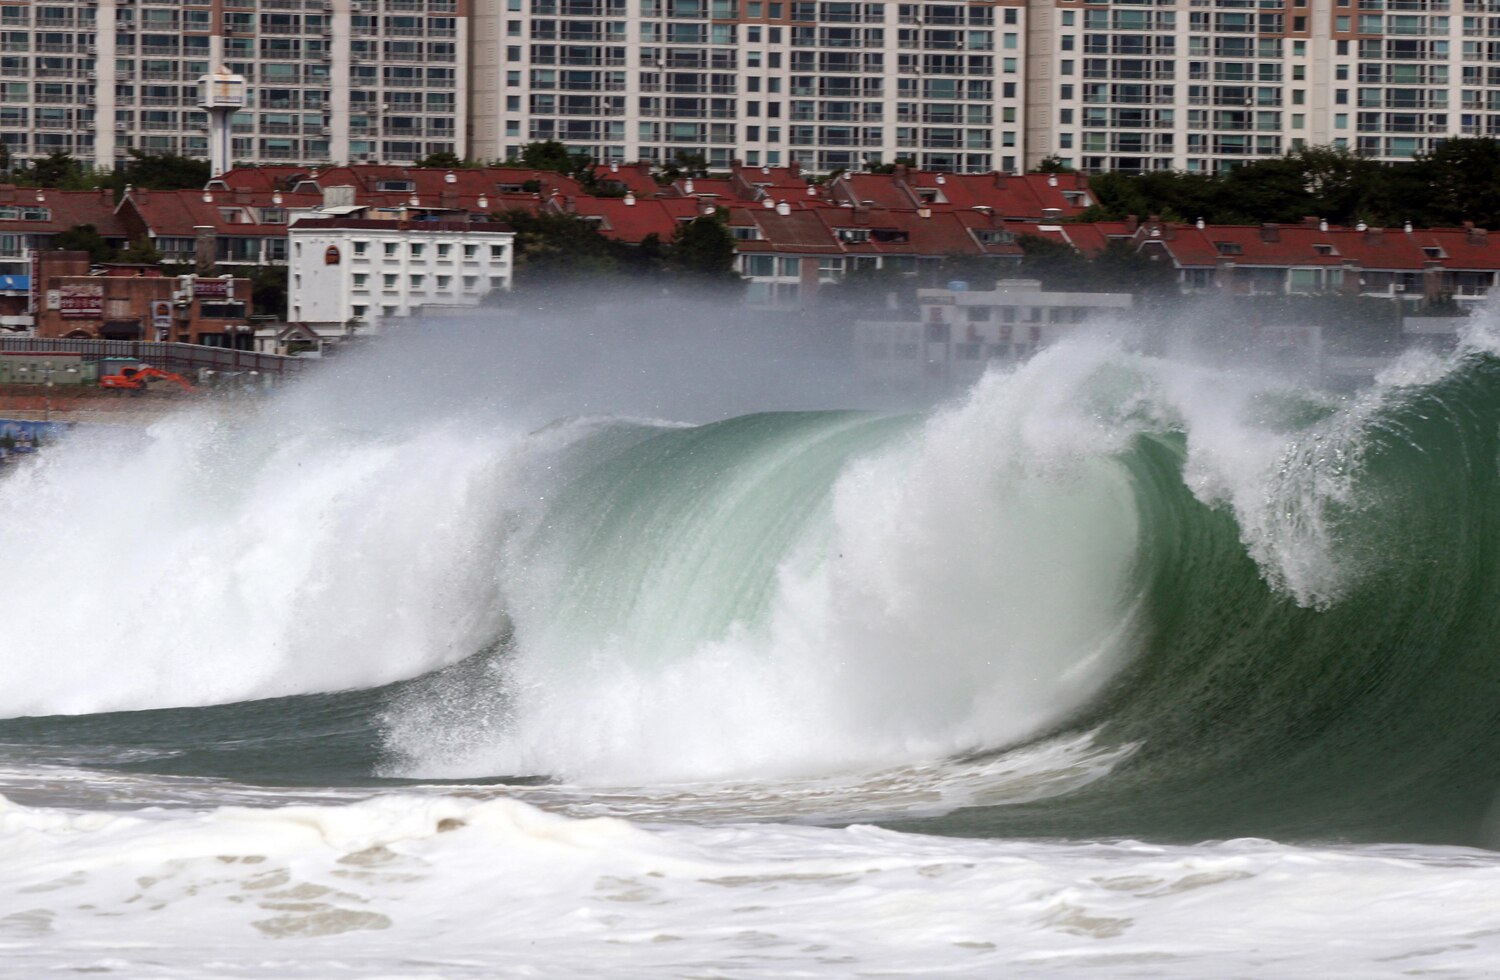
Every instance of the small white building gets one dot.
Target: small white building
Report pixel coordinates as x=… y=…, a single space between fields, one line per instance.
x=346 y=274
x=959 y=332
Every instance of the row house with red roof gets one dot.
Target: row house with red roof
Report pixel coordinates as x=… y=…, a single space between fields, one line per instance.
x=1411 y=264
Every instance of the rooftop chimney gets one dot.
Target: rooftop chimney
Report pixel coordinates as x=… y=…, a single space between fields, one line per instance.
x=629 y=199
x=205 y=249
x=783 y=208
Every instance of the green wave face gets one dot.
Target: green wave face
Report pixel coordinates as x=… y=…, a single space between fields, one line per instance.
x=1370 y=713
x=1279 y=607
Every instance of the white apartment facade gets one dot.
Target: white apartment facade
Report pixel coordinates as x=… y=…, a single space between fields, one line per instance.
x=1205 y=84
x=956 y=334
x=328 y=80
x=348 y=274
x=829 y=84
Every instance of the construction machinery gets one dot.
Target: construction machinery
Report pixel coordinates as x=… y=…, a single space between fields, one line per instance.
x=143 y=377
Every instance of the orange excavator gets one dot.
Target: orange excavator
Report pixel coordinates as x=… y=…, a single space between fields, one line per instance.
x=140 y=378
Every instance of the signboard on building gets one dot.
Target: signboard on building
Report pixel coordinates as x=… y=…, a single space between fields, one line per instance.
x=213 y=289
x=82 y=300
x=161 y=314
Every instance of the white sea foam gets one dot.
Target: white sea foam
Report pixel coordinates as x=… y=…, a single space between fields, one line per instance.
x=453 y=888
x=205 y=561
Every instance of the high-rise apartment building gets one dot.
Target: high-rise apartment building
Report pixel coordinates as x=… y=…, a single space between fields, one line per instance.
x=1203 y=84
x=827 y=84
x=328 y=80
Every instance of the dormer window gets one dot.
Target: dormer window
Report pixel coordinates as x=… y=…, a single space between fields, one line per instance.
x=273 y=216
x=25 y=214
x=1228 y=248
x=744 y=233
x=930 y=195
x=1325 y=250
x=854 y=235
x=402 y=186
x=993 y=236
x=1433 y=252
x=890 y=234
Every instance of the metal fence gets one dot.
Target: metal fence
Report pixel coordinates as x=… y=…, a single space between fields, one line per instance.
x=180 y=358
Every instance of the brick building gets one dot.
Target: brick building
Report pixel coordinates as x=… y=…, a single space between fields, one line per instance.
x=132 y=302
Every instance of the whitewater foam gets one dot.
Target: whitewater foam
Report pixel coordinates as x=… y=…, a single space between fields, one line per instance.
x=206 y=560
x=442 y=887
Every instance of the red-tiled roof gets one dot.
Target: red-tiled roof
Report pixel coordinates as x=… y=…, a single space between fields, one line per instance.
x=380 y=224
x=260 y=178
x=633 y=177
x=179 y=213
x=65 y=209
x=1032 y=197
x=631 y=222
x=432 y=182
x=874 y=231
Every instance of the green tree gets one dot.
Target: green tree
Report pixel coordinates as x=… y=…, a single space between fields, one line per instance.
x=444 y=158
x=558 y=249
x=1052 y=164
x=1055 y=264
x=890 y=168
x=159 y=171
x=683 y=164
x=703 y=251
x=1462 y=182
x=56 y=169
x=268 y=290
x=84 y=238
x=547 y=155
x=141 y=252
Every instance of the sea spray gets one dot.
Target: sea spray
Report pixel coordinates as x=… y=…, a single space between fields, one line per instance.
x=207 y=560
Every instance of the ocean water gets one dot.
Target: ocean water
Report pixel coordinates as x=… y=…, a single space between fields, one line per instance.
x=475 y=655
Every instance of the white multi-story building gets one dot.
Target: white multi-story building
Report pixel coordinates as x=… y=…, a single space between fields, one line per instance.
x=345 y=274
x=828 y=84
x=957 y=333
x=329 y=80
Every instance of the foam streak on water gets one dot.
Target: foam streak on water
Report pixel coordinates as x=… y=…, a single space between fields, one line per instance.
x=443 y=887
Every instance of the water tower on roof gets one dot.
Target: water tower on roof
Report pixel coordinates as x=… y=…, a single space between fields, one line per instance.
x=220 y=94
